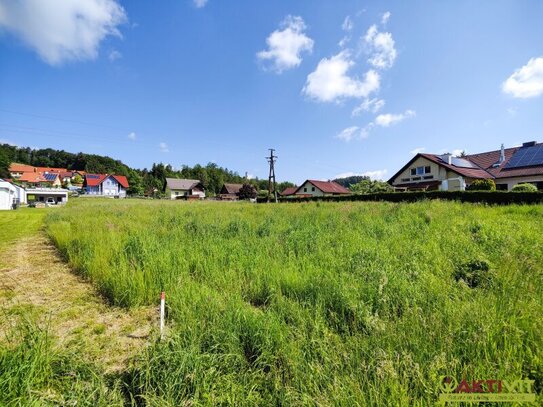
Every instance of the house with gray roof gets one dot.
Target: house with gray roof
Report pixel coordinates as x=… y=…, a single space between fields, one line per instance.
x=177 y=188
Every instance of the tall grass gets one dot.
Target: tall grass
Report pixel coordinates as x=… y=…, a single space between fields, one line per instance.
x=35 y=372
x=328 y=304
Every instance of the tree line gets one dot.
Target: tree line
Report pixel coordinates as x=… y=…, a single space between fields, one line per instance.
x=145 y=181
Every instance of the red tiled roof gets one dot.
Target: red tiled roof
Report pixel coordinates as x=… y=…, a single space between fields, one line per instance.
x=93 y=180
x=486 y=161
x=289 y=191
x=328 y=187
x=32 y=177
x=466 y=172
x=16 y=167
x=50 y=169
x=121 y=179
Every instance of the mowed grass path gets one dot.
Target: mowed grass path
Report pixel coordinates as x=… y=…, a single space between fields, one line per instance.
x=318 y=304
x=60 y=343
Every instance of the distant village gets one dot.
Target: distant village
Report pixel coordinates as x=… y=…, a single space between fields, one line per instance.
x=502 y=169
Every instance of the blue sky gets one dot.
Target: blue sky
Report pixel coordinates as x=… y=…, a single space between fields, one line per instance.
x=350 y=87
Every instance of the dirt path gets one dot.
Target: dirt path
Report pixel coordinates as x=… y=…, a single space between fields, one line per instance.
x=35 y=280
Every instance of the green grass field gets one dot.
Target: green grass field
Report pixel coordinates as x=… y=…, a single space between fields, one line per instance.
x=317 y=304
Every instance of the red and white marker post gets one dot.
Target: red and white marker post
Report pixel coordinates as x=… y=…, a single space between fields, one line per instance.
x=162 y=307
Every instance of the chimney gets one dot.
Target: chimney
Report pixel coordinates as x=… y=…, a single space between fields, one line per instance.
x=447 y=158
x=502 y=154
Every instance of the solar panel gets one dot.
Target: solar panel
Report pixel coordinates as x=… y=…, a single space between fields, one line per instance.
x=527 y=157
x=91 y=176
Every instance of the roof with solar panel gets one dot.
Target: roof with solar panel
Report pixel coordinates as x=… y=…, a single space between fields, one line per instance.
x=525 y=160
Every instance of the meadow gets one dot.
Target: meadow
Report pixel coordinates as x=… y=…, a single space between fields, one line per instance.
x=317 y=303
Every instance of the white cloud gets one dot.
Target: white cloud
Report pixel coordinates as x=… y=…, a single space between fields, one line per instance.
x=286 y=46
x=163 y=147
x=348 y=134
x=114 y=55
x=457 y=152
x=377 y=174
x=385 y=18
x=418 y=150
x=65 y=30
x=200 y=3
x=132 y=136
x=526 y=82
x=389 y=119
x=355 y=133
x=348 y=24
x=369 y=105
x=330 y=82
x=381 y=48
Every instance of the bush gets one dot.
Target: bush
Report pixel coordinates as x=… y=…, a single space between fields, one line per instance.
x=475 y=273
x=482 y=185
x=524 y=187
x=247 y=191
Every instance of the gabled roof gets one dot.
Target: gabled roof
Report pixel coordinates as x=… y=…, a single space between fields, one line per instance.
x=93 y=180
x=232 y=188
x=327 y=187
x=182 y=184
x=121 y=179
x=289 y=191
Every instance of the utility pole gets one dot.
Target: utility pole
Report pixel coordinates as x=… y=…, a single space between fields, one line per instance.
x=271 y=160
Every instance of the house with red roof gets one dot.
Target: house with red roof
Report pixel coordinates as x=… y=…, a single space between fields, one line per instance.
x=313 y=187
x=105 y=185
x=288 y=191
x=506 y=166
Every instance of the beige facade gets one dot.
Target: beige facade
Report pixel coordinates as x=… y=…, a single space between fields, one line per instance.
x=423 y=170
x=509 y=183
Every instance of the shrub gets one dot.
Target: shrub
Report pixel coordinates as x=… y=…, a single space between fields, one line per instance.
x=475 y=273
x=482 y=185
x=247 y=191
x=524 y=187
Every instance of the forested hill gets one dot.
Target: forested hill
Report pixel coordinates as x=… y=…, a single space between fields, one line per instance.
x=141 y=181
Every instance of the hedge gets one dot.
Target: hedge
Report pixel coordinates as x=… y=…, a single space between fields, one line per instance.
x=488 y=197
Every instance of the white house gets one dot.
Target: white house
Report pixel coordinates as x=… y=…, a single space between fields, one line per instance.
x=320 y=188
x=105 y=185
x=7 y=195
x=20 y=194
x=178 y=188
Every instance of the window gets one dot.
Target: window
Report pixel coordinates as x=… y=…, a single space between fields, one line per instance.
x=313 y=189
x=406 y=179
x=421 y=170
x=305 y=189
x=428 y=177
x=416 y=178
